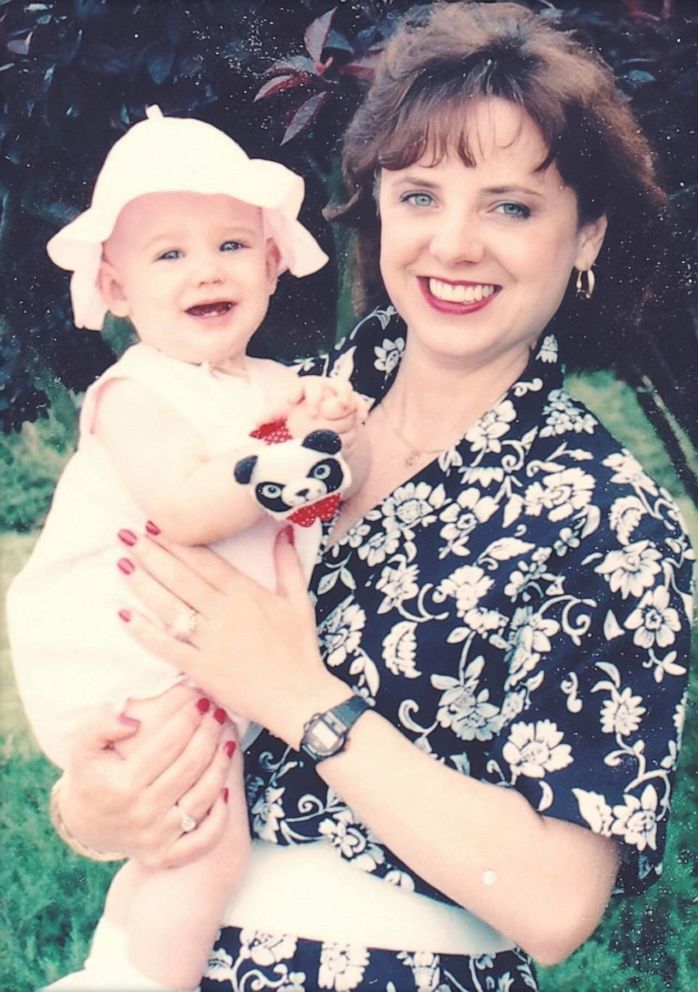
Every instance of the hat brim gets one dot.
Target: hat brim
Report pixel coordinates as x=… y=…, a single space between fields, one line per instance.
x=78 y=246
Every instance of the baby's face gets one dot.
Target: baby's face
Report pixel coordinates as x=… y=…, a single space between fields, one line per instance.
x=193 y=272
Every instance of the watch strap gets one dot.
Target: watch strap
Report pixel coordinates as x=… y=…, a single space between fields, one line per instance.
x=350 y=710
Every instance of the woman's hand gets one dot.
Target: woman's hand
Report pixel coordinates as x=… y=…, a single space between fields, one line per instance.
x=119 y=790
x=253 y=651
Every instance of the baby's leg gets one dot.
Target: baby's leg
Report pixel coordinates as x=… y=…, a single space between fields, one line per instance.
x=171 y=916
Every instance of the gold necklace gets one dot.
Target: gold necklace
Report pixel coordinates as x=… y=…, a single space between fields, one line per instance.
x=413 y=452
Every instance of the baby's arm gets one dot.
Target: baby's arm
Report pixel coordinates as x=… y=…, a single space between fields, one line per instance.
x=163 y=463
x=320 y=403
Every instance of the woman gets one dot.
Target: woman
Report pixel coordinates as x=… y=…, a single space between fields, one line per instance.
x=508 y=592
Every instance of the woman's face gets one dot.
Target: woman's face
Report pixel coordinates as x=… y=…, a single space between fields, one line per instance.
x=477 y=258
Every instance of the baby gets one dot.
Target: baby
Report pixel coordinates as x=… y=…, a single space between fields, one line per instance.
x=186 y=236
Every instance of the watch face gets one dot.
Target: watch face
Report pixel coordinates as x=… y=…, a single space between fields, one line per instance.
x=322 y=738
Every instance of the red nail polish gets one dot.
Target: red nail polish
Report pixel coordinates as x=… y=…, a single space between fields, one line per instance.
x=127 y=537
x=230 y=748
x=203 y=705
x=152 y=528
x=288 y=535
x=225 y=794
x=219 y=715
x=125 y=615
x=125 y=565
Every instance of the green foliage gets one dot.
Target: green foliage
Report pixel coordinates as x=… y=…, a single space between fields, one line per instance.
x=51 y=899
x=31 y=461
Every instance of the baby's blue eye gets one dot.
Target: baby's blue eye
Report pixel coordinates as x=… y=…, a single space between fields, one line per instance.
x=514 y=210
x=232 y=246
x=167 y=256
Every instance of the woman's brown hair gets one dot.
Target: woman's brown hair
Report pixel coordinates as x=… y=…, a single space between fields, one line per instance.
x=441 y=58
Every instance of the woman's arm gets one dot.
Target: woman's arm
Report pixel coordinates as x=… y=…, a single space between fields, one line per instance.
x=162 y=462
x=542 y=882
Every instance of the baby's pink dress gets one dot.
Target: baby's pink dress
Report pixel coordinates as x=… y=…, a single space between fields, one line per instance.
x=70 y=650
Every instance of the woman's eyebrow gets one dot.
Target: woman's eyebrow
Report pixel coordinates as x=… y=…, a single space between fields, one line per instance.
x=414 y=180
x=504 y=190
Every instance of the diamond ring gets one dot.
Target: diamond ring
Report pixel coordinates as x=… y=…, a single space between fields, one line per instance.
x=188 y=823
x=183 y=626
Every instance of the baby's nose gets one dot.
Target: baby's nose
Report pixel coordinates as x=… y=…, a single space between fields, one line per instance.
x=208 y=270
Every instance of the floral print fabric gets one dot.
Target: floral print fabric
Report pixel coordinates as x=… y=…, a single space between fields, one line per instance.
x=519 y=610
x=251 y=960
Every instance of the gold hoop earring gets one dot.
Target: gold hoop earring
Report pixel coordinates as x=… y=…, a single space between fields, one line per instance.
x=585 y=292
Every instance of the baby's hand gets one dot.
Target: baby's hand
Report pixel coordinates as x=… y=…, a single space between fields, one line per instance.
x=331 y=404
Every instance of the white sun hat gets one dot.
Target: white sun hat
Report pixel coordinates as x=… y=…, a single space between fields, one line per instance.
x=170 y=155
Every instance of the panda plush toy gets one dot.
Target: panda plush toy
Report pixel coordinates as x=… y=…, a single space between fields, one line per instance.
x=299 y=481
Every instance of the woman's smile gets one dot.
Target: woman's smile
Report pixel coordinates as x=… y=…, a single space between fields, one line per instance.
x=456 y=297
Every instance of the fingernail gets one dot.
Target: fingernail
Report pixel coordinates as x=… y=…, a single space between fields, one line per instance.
x=125 y=615
x=225 y=793
x=230 y=748
x=288 y=535
x=152 y=528
x=128 y=720
x=127 y=537
x=125 y=565
x=219 y=715
x=203 y=705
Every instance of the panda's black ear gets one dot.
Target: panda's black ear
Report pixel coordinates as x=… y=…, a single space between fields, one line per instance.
x=326 y=441
x=244 y=468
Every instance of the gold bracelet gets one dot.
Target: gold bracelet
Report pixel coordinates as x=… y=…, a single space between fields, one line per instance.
x=65 y=835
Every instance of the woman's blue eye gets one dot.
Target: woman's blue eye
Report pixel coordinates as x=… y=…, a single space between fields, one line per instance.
x=419 y=199
x=232 y=246
x=514 y=210
x=170 y=255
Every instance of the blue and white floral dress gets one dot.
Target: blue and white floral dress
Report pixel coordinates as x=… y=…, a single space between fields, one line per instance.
x=520 y=611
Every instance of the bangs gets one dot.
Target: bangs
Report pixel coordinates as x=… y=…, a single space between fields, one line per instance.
x=433 y=128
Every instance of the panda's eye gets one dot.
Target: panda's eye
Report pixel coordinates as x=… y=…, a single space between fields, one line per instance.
x=321 y=471
x=270 y=489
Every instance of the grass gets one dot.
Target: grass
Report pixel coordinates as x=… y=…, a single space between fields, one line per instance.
x=51 y=898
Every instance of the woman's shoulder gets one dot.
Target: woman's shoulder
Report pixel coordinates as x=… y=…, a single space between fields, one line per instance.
x=574 y=449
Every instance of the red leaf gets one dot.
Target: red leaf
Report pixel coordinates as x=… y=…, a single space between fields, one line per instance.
x=316 y=34
x=304 y=116
x=363 y=68
x=296 y=63
x=278 y=84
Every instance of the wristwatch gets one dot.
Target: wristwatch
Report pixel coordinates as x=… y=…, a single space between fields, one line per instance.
x=326 y=734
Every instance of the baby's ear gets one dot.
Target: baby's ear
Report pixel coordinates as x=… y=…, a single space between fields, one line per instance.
x=273 y=263
x=111 y=288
